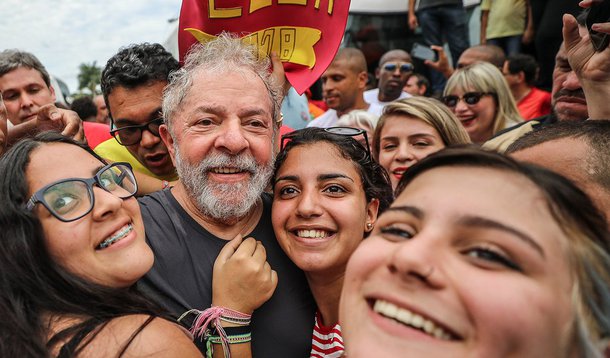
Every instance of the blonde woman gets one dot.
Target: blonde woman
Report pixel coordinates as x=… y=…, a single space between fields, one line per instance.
x=411 y=129
x=480 y=98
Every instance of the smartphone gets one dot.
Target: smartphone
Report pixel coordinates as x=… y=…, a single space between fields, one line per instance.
x=598 y=12
x=423 y=52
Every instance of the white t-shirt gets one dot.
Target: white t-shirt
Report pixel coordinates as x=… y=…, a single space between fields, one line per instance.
x=372 y=96
x=330 y=118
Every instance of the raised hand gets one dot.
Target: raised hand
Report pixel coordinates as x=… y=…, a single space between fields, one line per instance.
x=243 y=279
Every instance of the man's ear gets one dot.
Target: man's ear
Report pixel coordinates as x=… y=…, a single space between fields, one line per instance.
x=363 y=78
x=521 y=76
x=377 y=71
x=52 y=90
x=167 y=139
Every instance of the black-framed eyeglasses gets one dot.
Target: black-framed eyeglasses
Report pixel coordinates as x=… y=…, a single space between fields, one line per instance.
x=344 y=131
x=130 y=135
x=72 y=198
x=405 y=67
x=470 y=98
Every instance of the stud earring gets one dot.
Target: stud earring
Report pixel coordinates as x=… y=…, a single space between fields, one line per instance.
x=369 y=226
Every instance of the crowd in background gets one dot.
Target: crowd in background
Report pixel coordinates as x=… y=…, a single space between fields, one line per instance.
x=207 y=209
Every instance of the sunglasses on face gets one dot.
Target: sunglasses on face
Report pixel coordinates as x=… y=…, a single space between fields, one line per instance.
x=470 y=98
x=343 y=131
x=71 y=199
x=405 y=67
x=130 y=135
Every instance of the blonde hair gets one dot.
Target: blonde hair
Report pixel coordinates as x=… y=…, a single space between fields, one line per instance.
x=487 y=78
x=359 y=119
x=429 y=111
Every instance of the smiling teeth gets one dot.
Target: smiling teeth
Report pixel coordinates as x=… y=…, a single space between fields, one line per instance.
x=312 y=233
x=410 y=319
x=226 y=170
x=116 y=237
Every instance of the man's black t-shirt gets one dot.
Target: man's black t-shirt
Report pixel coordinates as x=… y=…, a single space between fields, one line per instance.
x=181 y=278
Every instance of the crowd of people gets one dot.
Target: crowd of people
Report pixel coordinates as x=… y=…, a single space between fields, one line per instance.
x=177 y=215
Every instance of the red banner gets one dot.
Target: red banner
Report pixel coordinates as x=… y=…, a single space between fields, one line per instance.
x=305 y=33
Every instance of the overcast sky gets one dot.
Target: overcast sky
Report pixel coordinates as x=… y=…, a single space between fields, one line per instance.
x=65 y=33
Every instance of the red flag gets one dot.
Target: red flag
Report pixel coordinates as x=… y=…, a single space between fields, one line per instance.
x=305 y=33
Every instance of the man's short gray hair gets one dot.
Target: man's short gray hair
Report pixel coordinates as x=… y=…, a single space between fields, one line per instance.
x=227 y=53
x=11 y=60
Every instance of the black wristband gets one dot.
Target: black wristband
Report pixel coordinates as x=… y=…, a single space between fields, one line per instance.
x=233 y=331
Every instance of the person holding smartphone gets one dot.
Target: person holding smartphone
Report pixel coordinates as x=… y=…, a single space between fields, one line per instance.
x=440 y=19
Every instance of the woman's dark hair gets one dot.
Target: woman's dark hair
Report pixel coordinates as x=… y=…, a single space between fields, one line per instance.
x=374 y=178
x=576 y=215
x=33 y=286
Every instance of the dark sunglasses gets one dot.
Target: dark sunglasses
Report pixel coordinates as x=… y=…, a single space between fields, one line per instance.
x=130 y=135
x=72 y=198
x=405 y=67
x=343 y=131
x=470 y=98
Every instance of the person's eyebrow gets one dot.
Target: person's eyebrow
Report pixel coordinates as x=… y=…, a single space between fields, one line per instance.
x=482 y=222
x=418 y=213
x=287 y=178
x=154 y=114
x=322 y=177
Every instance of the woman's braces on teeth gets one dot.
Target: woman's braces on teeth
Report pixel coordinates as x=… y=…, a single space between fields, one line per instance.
x=116 y=237
x=411 y=319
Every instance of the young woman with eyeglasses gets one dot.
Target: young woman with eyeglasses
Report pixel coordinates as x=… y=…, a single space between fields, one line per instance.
x=480 y=98
x=480 y=256
x=73 y=245
x=327 y=193
x=411 y=129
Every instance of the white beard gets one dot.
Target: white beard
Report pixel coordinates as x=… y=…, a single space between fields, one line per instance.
x=223 y=202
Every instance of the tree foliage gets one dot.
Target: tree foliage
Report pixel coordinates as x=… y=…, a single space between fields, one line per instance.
x=89 y=77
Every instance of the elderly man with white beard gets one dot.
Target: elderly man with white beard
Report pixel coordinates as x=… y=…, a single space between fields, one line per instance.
x=222 y=118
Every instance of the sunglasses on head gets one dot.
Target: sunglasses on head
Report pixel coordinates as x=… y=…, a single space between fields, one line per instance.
x=470 y=98
x=405 y=67
x=343 y=131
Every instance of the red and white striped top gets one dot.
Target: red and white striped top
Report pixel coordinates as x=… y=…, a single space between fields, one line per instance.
x=327 y=341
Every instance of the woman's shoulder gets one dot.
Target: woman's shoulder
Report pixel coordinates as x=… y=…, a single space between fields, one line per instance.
x=141 y=335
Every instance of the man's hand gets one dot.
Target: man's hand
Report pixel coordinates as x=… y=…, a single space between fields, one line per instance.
x=62 y=120
x=242 y=279
x=528 y=36
x=442 y=64
x=413 y=21
x=3 y=126
x=592 y=68
x=278 y=73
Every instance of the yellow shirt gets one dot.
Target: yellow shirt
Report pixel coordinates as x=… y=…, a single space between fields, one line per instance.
x=506 y=17
x=112 y=150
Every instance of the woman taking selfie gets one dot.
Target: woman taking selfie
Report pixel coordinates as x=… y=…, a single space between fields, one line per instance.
x=480 y=98
x=480 y=256
x=327 y=193
x=72 y=247
x=411 y=129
